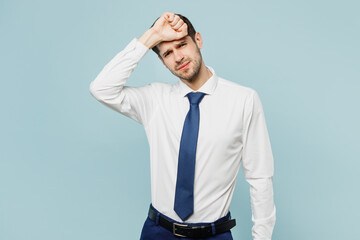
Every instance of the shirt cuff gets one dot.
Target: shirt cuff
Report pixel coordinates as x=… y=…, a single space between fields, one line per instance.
x=140 y=49
x=136 y=49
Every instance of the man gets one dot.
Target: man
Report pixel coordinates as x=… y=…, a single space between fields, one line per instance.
x=200 y=130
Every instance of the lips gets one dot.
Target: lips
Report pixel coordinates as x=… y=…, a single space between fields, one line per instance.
x=183 y=66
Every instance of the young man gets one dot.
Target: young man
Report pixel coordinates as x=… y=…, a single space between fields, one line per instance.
x=200 y=130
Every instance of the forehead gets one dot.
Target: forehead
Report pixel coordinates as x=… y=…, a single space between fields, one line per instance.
x=163 y=46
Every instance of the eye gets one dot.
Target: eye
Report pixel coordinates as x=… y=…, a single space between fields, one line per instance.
x=183 y=44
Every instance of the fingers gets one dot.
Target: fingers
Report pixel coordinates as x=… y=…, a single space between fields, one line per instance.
x=183 y=28
x=174 y=20
x=178 y=24
x=169 y=16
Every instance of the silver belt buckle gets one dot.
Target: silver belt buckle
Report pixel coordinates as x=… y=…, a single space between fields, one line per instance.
x=174 y=229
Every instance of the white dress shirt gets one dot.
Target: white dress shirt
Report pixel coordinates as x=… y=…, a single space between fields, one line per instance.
x=232 y=131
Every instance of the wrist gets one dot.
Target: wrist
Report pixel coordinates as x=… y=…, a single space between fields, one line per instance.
x=150 y=38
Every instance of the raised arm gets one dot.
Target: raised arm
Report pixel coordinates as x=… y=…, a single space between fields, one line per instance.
x=109 y=85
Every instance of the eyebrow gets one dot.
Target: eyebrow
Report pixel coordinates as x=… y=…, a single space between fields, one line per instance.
x=176 y=45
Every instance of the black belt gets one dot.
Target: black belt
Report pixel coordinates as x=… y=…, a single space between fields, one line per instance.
x=198 y=231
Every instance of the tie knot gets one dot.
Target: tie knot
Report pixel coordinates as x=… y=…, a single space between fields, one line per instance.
x=195 y=97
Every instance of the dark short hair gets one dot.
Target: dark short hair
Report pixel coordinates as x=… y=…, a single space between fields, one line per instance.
x=190 y=29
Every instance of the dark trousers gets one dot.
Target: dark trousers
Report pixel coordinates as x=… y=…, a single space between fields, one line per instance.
x=153 y=231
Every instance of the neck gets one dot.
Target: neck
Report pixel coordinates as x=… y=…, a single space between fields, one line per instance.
x=203 y=75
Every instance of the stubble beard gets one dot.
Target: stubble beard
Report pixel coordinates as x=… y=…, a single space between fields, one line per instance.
x=190 y=74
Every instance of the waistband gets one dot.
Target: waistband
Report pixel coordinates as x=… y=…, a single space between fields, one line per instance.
x=192 y=230
x=226 y=217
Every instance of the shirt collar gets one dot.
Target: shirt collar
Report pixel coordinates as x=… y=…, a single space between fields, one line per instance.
x=208 y=87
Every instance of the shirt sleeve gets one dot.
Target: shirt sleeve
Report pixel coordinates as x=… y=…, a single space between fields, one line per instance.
x=263 y=207
x=109 y=87
x=258 y=168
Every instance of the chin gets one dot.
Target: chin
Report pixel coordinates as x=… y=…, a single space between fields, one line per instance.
x=188 y=72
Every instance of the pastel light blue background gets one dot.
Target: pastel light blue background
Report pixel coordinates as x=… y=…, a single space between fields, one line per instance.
x=73 y=169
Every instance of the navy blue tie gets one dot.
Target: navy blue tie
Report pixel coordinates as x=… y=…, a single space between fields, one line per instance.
x=184 y=193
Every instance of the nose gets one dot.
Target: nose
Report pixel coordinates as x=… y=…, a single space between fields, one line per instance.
x=178 y=56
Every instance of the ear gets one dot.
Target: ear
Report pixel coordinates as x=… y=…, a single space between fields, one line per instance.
x=198 y=40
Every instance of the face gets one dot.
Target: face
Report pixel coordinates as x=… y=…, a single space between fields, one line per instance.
x=182 y=57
